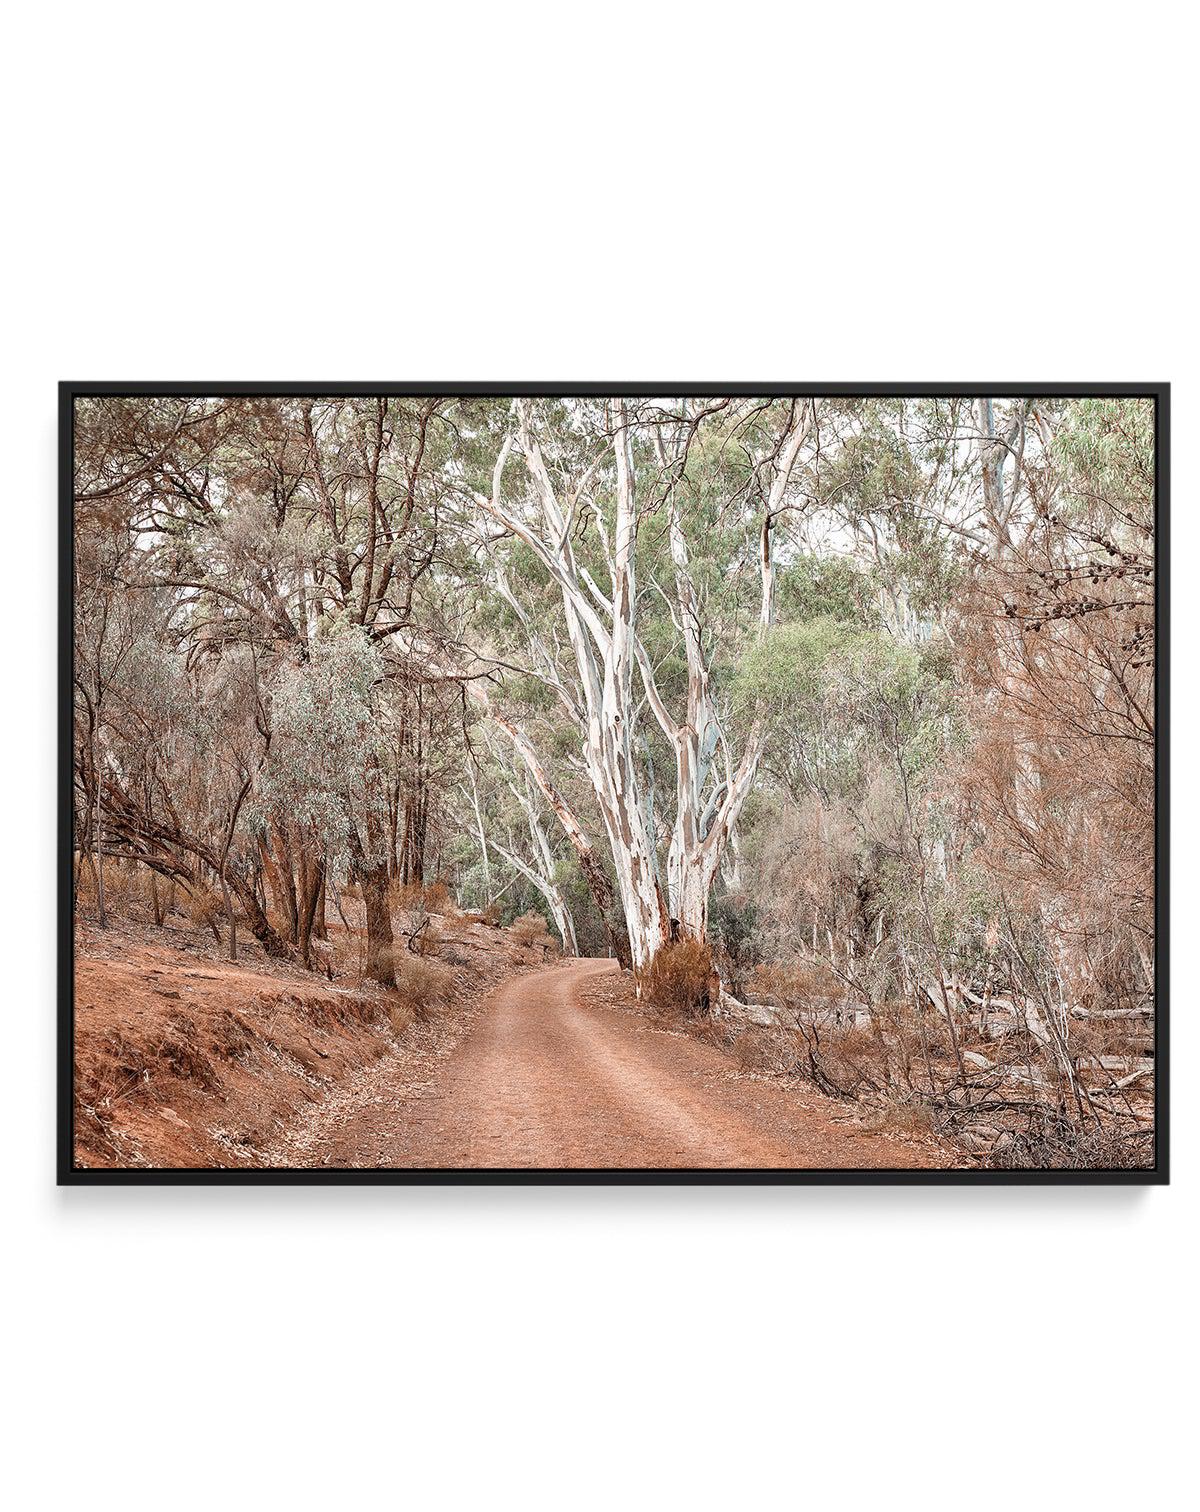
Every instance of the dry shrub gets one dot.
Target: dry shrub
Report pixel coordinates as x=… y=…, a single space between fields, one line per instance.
x=1096 y=1037
x=799 y=985
x=405 y=895
x=124 y=885
x=430 y=940
x=423 y=988
x=85 y=890
x=401 y=1015
x=531 y=931
x=1051 y=1142
x=908 y=1117
x=380 y=965
x=842 y=1062
x=765 y=1052
x=680 y=979
x=204 y=908
x=421 y=897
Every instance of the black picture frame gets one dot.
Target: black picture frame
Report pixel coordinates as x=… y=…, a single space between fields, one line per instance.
x=68 y=1174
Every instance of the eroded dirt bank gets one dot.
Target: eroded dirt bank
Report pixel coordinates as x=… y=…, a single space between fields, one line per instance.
x=183 y=1059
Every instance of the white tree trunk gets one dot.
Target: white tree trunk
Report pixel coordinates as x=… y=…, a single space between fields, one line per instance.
x=602 y=632
x=604 y=657
x=551 y=892
x=706 y=815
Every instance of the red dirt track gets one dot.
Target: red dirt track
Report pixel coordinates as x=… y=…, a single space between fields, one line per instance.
x=548 y=1080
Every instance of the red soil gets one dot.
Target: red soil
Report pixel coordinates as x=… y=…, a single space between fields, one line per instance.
x=547 y=1079
x=183 y=1059
x=186 y=1060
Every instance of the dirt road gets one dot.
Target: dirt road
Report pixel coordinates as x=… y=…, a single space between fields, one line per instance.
x=548 y=1080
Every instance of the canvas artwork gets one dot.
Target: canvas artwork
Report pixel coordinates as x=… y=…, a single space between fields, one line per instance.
x=606 y=783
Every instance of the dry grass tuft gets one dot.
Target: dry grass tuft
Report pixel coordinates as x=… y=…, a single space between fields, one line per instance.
x=681 y=980
x=491 y=916
x=423 y=988
x=126 y=885
x=909 y=1117
x=430 y=940
x=204 y=908
x=422 y=897
x=532 y=933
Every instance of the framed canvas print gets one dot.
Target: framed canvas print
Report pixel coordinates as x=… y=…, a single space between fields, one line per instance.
x=602 y=782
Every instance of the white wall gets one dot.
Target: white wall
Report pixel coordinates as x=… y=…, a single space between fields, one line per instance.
x=750 y=192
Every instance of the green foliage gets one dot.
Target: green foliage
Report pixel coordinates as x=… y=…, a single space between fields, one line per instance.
x=839 y=698
x=873 y=471
x=816 y=587
x=1106 y=448
x=326 y=739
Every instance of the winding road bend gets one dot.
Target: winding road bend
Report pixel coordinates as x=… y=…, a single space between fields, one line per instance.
x=546 y=1079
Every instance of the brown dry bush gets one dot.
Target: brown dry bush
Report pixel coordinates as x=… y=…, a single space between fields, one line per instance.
x=404 y=896
x=423 y=988
x=124 y=886
x=531 y=932
x=490 y=916
x=382 y=963
x=205 y=909
x=426 y=938
x=907 y=1116
x=680 y=979
x=430 y=941
x=85 y=889
x=855 y=1058
x=1051 y=1142
x=421 y=897
x=766 y=1051
x=799 y=985
x=1096 y=1037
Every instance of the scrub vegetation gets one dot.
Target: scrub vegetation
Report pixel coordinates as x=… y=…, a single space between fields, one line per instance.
x=831 y=720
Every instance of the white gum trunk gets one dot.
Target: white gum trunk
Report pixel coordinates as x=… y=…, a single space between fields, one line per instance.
x=706 y=815
x=603 y=637
x=551 y=892
x=546 y=868
x=604 y=656
x=609 y=746
x=589 y=863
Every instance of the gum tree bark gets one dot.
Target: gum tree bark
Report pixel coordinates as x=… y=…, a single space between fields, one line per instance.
x=706 y=812
x=604 y=655
x=590 y=863
x=541 y=876
x=150 y=838
x=370 y=871
x=602 y=633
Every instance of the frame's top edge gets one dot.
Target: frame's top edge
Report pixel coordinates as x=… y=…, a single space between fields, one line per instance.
x=496 y=388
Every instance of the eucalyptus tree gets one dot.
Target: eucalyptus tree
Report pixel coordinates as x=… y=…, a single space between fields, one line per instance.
x=591 y=478
x=519 y=833
x=269 y=525
x=325 y=772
